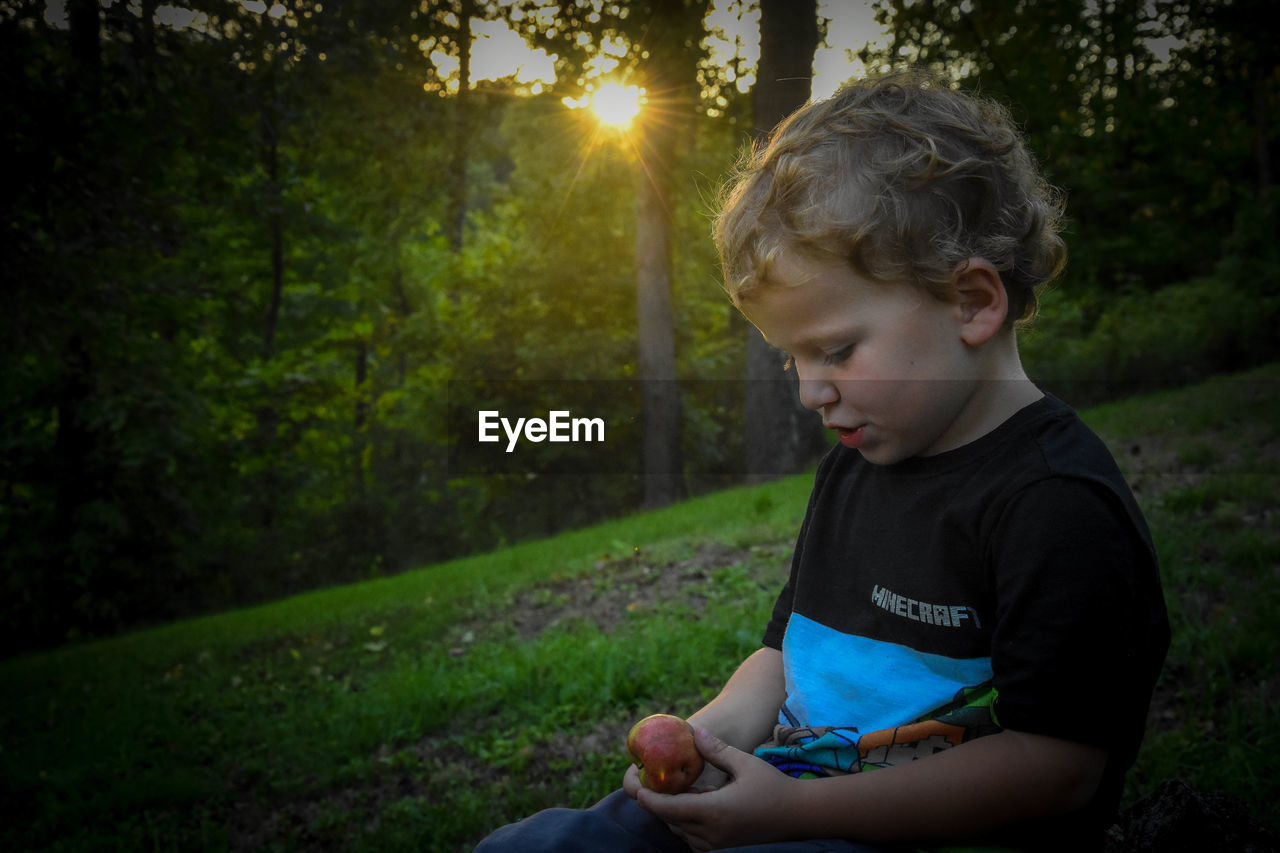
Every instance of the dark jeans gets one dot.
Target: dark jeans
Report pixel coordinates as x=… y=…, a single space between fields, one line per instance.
x=617 y=825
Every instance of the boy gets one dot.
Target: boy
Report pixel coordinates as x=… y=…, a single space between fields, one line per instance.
x=966 y=647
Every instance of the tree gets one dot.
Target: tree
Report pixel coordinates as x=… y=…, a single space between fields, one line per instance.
x=1111 y=122
x=667 y=69
x=1226 y=62
x=172 y=304
x=781 y=435
x=103 y=426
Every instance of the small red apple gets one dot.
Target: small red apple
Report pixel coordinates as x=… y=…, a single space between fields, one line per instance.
x=662 y=747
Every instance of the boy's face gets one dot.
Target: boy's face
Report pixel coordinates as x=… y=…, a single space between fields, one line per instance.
x=883 y=363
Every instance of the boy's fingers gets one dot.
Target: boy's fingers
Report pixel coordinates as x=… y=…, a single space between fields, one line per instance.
x=631 y=781
x=673 y=808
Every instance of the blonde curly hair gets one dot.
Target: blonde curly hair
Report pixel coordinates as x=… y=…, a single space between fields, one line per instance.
x=905 y=179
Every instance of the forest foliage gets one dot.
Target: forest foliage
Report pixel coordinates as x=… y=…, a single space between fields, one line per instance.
x=253 y=254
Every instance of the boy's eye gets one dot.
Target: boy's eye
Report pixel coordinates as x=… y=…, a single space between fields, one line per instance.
x=839 y=356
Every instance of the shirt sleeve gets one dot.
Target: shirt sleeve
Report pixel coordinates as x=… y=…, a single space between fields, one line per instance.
x=1081 y=629
x=776 y=629
x=777 y=626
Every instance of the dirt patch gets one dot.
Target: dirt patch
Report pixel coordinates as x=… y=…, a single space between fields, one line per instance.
x=1155 y=464
x=328 y=820
x=604 y=595
x=444 y=754
x=617 y=586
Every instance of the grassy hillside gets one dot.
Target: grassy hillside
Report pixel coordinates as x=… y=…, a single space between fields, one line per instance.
x=420 y=711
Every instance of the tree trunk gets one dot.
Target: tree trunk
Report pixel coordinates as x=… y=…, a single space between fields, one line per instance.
x=275 y=233
x=655 y=333
x=781 y=435
x=456 y=216
x=664 y=76
x=359 y=438
x=1261 y=127
x=268 y=487
x=75 y=487
x=84 y=26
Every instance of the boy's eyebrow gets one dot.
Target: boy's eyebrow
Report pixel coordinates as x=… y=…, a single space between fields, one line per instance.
x=819 y=340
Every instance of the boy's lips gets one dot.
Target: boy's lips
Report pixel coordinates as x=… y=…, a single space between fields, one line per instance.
x=851 y=437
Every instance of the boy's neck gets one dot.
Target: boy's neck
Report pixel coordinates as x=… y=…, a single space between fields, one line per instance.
x=993 y=403
x=1004 y=390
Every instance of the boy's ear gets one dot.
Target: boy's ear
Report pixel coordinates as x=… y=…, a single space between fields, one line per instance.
x=981 y=301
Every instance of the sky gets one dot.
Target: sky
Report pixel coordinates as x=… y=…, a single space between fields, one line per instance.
x=498 y=52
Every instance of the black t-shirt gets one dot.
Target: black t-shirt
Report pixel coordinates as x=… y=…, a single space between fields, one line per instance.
x=1009 y=583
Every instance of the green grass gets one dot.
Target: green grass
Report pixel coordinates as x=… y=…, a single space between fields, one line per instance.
x=420 y=711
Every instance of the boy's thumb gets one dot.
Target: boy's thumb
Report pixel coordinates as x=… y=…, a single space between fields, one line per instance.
x=717 y=752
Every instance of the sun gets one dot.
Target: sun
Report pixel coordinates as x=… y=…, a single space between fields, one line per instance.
x=617 y=105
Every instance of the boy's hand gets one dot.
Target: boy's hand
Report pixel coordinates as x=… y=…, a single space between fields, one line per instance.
x=712 y=777
x=743 y=811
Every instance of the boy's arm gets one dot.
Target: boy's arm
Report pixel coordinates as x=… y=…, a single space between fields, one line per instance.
x=988 y=782
x=744 y=713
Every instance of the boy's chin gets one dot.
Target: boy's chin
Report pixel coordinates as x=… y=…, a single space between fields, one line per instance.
x=883 y=454
x=882 y=451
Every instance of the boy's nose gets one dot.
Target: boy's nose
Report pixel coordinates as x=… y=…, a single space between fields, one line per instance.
x=816 y=394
